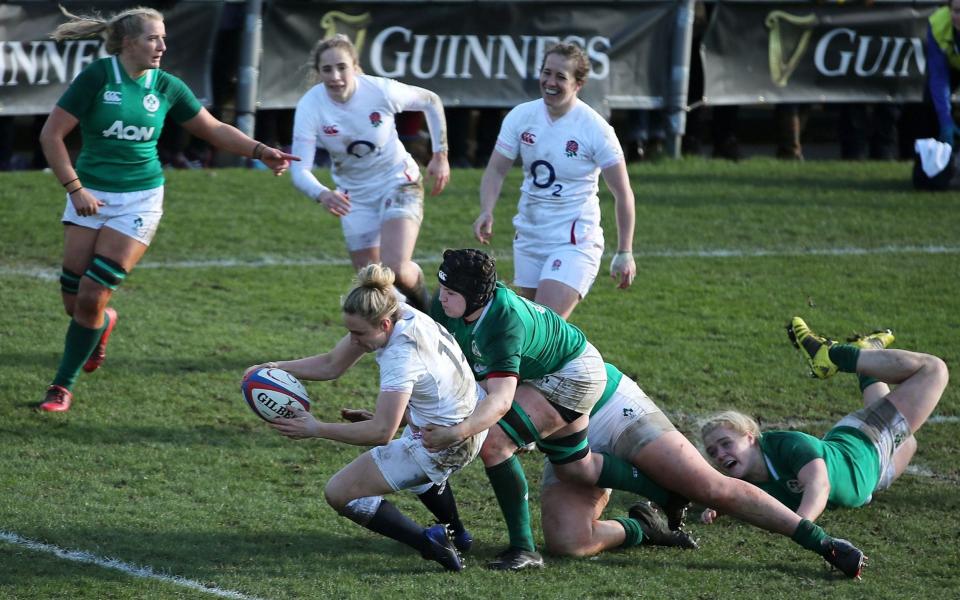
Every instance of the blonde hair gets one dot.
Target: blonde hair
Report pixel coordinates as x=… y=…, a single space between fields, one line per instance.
x=731 y=419
x=339 y=41
x=573 y=52
x=121 y=26
x=373 y=296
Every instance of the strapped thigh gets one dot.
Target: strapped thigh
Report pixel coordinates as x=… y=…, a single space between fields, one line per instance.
x=69 y=281
x=106 y=272
x=567 y=449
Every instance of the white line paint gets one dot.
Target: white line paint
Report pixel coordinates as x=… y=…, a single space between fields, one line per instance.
x=111 y=563
x=325 y=261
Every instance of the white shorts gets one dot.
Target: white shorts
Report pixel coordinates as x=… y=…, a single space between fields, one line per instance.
x=628 y=421
x=134 y=214
x=574 y=265
x=886 y=427
x=361 y=226
x=578 y=384
x=405 y=463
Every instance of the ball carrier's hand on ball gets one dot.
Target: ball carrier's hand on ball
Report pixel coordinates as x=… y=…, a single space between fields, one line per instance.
x=300 y=427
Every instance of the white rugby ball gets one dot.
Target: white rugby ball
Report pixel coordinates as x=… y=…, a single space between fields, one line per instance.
x=273 y=394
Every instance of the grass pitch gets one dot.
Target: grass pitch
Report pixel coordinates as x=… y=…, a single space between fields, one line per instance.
x=161 y=467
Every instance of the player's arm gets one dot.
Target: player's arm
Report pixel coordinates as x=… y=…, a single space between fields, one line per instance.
x=500 y=391
x=430 y=104
x=623 y=268
x=373 y=432
x=55 y=130
x=227 y=137
x=816 y=489
x=490 y=185
x=321 y=367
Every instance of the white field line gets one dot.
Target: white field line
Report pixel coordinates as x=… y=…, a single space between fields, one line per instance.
x=111 y=563
x=282 y=261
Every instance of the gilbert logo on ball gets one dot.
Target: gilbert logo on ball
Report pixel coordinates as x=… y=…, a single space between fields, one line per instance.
x=273 y=394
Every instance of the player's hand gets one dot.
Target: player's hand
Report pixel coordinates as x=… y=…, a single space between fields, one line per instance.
x=277 y=160
x=85 y=203
x=623 y=269
x=355 y=415
x=299 y=427
x=266 y=365
x=335 y=201
x=483 y=228
x=708 y=516
x=436 y=437
x=439 y=171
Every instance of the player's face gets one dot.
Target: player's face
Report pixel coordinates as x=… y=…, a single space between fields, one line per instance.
x=730 y=451
x=454 y=304
x=558 y=86
x=338 y=73
x=146 y=49
x=368 y=336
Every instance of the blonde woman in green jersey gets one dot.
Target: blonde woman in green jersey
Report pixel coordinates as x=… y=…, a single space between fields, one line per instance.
x=863 y=453
x=115 y=192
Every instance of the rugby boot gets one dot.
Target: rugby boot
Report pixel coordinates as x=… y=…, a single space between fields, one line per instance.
x=815 y=348
x=655 y=530
x=877 y=340
x=100 y=352
x=844 y=556
x=58 y=399
x=440 y=547
x=516 y=559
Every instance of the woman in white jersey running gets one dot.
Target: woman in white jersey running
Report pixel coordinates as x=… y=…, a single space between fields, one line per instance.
x=424 y=380
x=565 y=146
x=379 y=191
x=115 y=193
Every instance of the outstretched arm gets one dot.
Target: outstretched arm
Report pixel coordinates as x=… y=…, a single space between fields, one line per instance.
x=321 y=367
x=373 y=432
x=229 y=138
x=490 y=186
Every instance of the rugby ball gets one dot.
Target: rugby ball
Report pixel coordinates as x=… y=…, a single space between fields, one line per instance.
x=273 y=394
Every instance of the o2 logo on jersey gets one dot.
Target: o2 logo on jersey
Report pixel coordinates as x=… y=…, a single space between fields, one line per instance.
x=528 y=138
x=330 y=130
x=361 y=148
x=375 y=119
x=572 y=148
x=151 y=103
x=112 y=97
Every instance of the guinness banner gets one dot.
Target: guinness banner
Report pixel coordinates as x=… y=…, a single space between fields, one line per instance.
x=476 y=53
x=35 y=70
x=757 y=52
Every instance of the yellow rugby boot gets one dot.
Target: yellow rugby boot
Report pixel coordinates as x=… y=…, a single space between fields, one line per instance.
x=815 y=348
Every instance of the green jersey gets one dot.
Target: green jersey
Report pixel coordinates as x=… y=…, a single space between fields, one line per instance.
x=853 y=465
x=120 y=122
x=514 y=336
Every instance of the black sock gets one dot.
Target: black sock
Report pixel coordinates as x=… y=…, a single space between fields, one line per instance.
x=389 y=521
x=439 y=500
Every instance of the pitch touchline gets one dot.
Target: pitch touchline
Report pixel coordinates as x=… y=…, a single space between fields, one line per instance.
x=110 y=563
x=281 y=261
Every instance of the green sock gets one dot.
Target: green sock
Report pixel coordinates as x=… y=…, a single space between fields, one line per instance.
x=809 y=535
x=845 y=357
x=866 y=381
x=78 y=346
x=510 y=487
x=633 y=531
x=621 y=475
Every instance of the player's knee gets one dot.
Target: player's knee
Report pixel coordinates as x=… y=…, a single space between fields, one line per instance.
x=334 y=497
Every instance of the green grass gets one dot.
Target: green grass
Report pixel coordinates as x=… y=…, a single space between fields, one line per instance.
x=160 y=464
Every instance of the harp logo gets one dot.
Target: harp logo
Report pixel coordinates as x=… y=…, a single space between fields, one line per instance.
x=788 y=40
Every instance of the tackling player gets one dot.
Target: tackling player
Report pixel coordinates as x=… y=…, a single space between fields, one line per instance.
x=379 y=190
x=114 y=196
x=424 y=380
x=565 y=146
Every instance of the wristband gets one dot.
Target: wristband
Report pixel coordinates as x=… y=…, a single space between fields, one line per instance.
x=258 y=150
x=71 y=181
x=76 y=189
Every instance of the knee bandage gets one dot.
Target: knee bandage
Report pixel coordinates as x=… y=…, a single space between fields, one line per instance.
x=69 y=281
x=106 y=272
x=361 y=510
x=566 y=449
x=518 y=426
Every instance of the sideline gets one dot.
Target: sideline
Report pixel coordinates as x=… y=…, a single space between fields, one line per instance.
x=111 y=563
x=51 y=274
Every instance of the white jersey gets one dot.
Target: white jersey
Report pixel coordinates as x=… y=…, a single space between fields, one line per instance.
x=422 y=358
x=562 y=160
x=360 y=134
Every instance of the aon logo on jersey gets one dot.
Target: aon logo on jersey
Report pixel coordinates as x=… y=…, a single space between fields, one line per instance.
x=130 y=132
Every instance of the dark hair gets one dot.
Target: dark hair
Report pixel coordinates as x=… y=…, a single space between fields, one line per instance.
x=573 y=52
x=471 y=273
